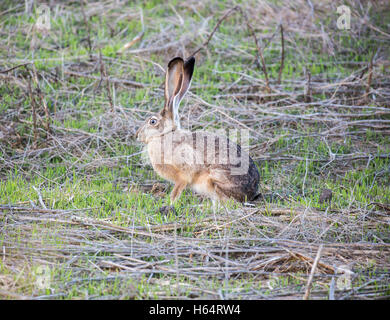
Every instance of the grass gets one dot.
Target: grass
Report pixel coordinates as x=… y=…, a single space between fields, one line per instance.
x=81 y=202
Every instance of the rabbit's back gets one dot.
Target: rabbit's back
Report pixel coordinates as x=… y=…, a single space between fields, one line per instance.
x=209 y=163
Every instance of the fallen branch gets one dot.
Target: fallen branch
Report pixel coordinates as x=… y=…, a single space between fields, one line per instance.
x=313 y=269
x=282 y=55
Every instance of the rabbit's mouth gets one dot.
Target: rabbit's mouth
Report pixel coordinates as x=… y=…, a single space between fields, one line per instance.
x=139 y=135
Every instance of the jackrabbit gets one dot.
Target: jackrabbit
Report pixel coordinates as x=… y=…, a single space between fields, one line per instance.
x=210 y=164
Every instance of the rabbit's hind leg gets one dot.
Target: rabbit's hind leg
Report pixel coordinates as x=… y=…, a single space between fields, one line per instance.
x=220 y=198
x=223 y=194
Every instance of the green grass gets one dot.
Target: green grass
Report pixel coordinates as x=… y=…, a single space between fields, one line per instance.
x=95 y=175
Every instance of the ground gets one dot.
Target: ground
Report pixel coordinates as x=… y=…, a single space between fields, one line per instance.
x=80 y=204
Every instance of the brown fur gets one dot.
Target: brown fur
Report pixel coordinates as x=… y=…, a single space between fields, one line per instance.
x=177 y=155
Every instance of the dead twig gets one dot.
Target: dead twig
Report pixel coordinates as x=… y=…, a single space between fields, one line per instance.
x=369 y=78
x=13 y=68
x=308 y=90
x=313 y=269
x=109 y=79
x=34 y=112
x=206 y=43
x=43 y=100
x=89 y=42
x=259 y=51
x=282 y=55
x=136 y=39
x=103 y=76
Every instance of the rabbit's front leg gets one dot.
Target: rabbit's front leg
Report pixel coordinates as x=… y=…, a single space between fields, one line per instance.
x=177 y=190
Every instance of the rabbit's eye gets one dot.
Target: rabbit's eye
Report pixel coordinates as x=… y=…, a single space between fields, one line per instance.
x=153 y=121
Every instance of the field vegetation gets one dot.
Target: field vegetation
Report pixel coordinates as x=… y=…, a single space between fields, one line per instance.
x=80 y=204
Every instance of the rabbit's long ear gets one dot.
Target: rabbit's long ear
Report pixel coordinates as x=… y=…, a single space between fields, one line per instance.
x=173 y=84
x=187 y=76
x=188 y=70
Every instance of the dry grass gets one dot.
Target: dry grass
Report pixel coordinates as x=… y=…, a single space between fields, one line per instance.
x=71 y=104
x=226 y=248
